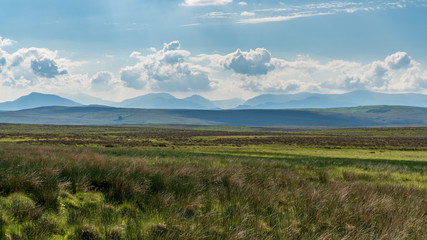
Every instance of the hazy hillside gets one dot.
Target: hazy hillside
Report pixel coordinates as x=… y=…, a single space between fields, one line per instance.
x=35 y=100
x=88 y=100
x=167 y=101
x=264 y=101
x=201 y=101
x=159 y=101
x=97 y=115
x=228 y=103
x=351 y=99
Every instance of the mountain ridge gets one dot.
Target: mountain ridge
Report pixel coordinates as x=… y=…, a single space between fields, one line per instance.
x=263 y=101
x=36 y=99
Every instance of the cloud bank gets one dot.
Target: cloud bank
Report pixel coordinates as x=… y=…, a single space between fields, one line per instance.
x=398 y=72
x=257 y=71
x=240 y=73
x=166 y=70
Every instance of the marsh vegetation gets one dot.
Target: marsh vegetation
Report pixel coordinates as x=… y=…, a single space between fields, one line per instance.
x=133 y=182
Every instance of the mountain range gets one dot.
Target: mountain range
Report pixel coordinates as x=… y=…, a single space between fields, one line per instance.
x=264 y=101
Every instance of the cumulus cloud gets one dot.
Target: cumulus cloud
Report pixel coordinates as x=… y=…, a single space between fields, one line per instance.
x=46 y=68
x=206 y=2
x=5 y=42
x=174 y=69
x=243 y=3
x=166 y=70
x=102 y=82
x=30 y=66
x=396 y=73
x=399 y=60
x=133 y=77
x=257 y=71
x=39 y=69
x=254 y=62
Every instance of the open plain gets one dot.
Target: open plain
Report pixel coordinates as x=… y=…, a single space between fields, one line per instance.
x=195 y=182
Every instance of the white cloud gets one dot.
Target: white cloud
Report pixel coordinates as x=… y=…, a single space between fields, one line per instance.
x=254 y=62
x=166 y=70
x=399 y=60
x=103 y=82
x=287 y=12
x=257 y=71
x=191 y=25
x=237 y=74
x=39 y=69
x=247 y=14
x=31 y=66
x=279 y=18
x=206 y=2
x=6 y=42
x=215 y=15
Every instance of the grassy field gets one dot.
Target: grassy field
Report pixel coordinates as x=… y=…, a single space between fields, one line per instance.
x=190 y=182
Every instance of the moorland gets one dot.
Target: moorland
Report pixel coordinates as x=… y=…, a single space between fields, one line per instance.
x=364 y=116
x=212 y=182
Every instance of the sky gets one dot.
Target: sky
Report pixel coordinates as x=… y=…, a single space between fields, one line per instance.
x=218 y=49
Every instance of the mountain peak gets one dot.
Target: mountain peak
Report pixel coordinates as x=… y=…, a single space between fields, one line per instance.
x=197 y=99
x=162 y=95
x=35 y=100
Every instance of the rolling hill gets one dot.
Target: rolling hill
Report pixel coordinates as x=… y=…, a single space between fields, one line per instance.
x=316 y=100
x=337 y=117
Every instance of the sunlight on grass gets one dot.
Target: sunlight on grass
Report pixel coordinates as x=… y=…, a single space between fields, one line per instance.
x=212 y=187
x=280 y=151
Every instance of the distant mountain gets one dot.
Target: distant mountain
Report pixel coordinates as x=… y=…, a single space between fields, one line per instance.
x=87 y=99
x=264 y=101
x=363 y=97
x=275 y=98
x=199 y=100
x=335 y=117
x=228 y=103
x=316 y=100
x=34 y=100
x=167 y=101
x=159 y=101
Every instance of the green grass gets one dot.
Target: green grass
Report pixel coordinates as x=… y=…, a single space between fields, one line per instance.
x=420 y=132
x=63 y=182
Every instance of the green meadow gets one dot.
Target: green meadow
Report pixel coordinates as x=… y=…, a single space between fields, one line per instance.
x=193 y=182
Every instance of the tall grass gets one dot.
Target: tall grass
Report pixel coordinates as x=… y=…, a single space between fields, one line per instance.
x=78 y=193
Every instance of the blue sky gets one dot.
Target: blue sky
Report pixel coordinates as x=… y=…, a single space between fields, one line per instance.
x=216 y=48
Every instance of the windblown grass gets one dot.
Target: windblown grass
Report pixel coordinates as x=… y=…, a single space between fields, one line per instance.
x=267 y=191
x=79 y=193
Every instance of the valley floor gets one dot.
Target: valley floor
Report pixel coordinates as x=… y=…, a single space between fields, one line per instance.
x=176 y=182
